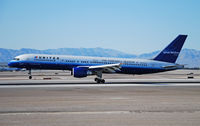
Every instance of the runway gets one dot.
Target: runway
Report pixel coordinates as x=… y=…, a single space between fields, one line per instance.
x=123 y=83
x=118 y=102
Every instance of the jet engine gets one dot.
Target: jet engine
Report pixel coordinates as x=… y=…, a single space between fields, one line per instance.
x=80 y=72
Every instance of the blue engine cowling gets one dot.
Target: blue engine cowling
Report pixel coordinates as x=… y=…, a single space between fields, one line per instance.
x=80 y=72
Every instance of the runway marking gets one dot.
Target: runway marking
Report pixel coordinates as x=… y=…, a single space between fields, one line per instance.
x=95 y=112
x=59 y=113
x=98 y=85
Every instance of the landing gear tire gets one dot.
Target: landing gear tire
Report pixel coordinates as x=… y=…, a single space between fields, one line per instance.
x=29 y=73
x=95 y=79
x=99 y=80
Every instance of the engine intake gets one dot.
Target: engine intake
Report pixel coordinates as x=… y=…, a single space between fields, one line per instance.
x=80 y=72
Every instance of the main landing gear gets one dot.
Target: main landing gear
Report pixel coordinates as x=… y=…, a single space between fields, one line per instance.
x=99 y=79
x=29 y=73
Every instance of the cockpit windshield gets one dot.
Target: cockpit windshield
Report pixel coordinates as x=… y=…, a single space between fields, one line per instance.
x=16 y=59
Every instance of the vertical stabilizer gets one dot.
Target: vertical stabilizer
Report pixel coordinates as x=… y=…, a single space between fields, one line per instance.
x=171 y=52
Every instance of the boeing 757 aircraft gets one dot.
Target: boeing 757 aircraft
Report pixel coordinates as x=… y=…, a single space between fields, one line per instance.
x=83 y=66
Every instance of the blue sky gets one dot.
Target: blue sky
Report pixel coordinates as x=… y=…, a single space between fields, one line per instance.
x=132 y=26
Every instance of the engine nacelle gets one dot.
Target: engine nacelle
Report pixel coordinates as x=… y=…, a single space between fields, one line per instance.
x=80 y=72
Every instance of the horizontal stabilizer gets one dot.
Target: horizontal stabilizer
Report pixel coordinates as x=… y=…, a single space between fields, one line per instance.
x=178 y=66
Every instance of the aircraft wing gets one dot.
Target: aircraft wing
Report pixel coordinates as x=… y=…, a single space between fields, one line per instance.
x=108 y=68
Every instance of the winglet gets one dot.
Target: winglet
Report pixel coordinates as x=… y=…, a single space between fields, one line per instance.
x=171 y=52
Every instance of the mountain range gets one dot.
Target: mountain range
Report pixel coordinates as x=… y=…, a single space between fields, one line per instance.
x=191 y=57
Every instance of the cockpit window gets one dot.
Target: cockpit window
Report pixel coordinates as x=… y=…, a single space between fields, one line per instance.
x=16 y=59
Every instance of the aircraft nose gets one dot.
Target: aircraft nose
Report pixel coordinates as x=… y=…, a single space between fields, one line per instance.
x=13 y=64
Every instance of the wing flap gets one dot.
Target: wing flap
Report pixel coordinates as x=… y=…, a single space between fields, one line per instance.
x=117 y=65
x=109 y=68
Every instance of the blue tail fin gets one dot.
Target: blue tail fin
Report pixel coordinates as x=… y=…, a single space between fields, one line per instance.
x=171 y=52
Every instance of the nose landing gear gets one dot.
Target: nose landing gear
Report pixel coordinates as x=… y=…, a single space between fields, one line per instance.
x=29 y=73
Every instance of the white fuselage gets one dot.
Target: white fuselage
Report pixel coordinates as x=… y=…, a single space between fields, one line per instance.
x=62 y=62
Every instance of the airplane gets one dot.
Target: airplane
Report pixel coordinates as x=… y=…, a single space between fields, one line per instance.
x=83 y=66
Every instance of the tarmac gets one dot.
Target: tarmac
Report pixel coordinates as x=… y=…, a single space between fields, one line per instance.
x=54 y=98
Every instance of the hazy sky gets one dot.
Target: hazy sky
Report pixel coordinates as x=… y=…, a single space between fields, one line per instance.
x=132 y=26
